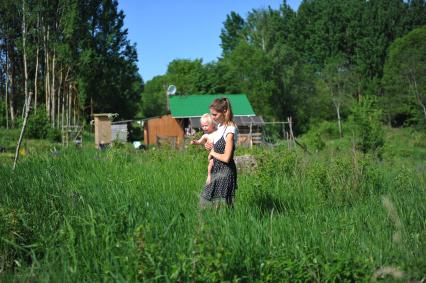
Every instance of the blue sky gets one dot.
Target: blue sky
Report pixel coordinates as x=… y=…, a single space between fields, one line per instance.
x=164 y=30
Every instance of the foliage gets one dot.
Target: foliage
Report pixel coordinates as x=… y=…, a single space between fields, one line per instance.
x=38 y=125
x=135 y=132
x=153 y=102
x=2 y=114
x=339 y=78
x=232 y=32
x=306 y=64
x=404 y=79
x=54 y=135
x=75 y=51
x=369 y=133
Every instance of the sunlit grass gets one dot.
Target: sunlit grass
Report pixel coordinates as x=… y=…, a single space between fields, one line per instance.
x=126 y=215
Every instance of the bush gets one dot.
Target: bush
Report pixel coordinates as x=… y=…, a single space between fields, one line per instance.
x=367 y=126
x=314 y=139
x=2 y=114
x=54 y=135
x=38 y=125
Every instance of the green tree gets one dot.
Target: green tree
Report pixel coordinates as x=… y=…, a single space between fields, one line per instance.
x=339 y=77
x=294 y=89
x=405 y=73
x=232 y=32
x=187 y=75
x=153 y=102
x=249 y=71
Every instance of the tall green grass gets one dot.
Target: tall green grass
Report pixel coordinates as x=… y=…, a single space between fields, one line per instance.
x=122 y=215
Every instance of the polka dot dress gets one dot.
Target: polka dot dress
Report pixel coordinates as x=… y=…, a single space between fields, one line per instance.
x=223 y=178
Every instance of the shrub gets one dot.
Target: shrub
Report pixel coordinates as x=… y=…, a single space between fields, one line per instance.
x=38 y=125
x=314 y=139
x=54 y=135
x=367 y=126
x=2 y=114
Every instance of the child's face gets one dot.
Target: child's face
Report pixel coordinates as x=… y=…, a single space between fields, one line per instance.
x=207 y=128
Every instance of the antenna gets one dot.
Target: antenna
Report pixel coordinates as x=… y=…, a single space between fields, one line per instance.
x=171 y=90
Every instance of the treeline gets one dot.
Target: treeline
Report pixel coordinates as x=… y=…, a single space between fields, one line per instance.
x=311 y=64
x=72 y=55
x=315 y=63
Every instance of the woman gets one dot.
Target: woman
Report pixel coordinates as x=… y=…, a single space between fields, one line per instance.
x=224 y=172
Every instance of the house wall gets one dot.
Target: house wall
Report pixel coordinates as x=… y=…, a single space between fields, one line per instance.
x=163 y=128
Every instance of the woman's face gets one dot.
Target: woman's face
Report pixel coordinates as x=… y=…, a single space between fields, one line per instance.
x=218 y=117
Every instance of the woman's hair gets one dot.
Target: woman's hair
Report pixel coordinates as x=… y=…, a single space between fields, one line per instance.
x=223 y=105
x=207 y=118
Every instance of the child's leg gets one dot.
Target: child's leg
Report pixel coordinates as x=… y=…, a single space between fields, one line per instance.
x=209 y=171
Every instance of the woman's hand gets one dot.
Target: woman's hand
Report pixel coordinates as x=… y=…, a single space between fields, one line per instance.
x=229 y=146
x=208 y=146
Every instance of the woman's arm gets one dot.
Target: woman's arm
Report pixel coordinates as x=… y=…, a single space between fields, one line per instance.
x=229 y=146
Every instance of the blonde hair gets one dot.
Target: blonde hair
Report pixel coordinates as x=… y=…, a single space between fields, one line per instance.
x=207 y=118
x=223 y=105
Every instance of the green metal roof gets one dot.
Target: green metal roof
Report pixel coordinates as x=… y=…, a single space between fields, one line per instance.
x=184 y=106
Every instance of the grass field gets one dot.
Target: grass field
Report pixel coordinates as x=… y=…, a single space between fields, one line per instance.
x=124 y=215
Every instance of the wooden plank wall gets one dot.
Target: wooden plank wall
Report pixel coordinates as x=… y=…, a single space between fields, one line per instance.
x=119 y=132
x=102 y=130
x=165 y=127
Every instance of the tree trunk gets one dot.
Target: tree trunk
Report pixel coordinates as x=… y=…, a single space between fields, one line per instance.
x=64 y=99
x=24 y=39
x=36 y=81
x=69 y=105
x=24 y=125
x=91 y=107
x=7 y=89
x=46 y=72
x=52 y=91
x=339 y=122
x=58 y=114
x=417 y=94
x=12 y=97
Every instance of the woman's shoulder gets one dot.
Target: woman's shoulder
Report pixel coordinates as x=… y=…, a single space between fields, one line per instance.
x=231 y=126
x=231 y=129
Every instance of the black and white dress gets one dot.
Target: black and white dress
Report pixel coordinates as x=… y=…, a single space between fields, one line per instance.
x=223 y=182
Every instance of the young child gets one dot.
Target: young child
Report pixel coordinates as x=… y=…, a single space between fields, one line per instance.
x=209 y=128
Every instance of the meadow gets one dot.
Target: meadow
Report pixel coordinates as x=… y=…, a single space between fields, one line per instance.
x=83 y=215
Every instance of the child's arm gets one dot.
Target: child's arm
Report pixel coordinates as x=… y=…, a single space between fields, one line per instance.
x=202 y=140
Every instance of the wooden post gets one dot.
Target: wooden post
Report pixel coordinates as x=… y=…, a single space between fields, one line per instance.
x=291 y=131
x=288 y=140
x=250 y=136
x=24 y=125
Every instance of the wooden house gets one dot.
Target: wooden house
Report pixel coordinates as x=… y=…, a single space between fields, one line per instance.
x=185 y=118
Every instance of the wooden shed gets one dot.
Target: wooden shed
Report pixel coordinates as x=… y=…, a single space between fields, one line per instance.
x=102 y=129
x=163 y=130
